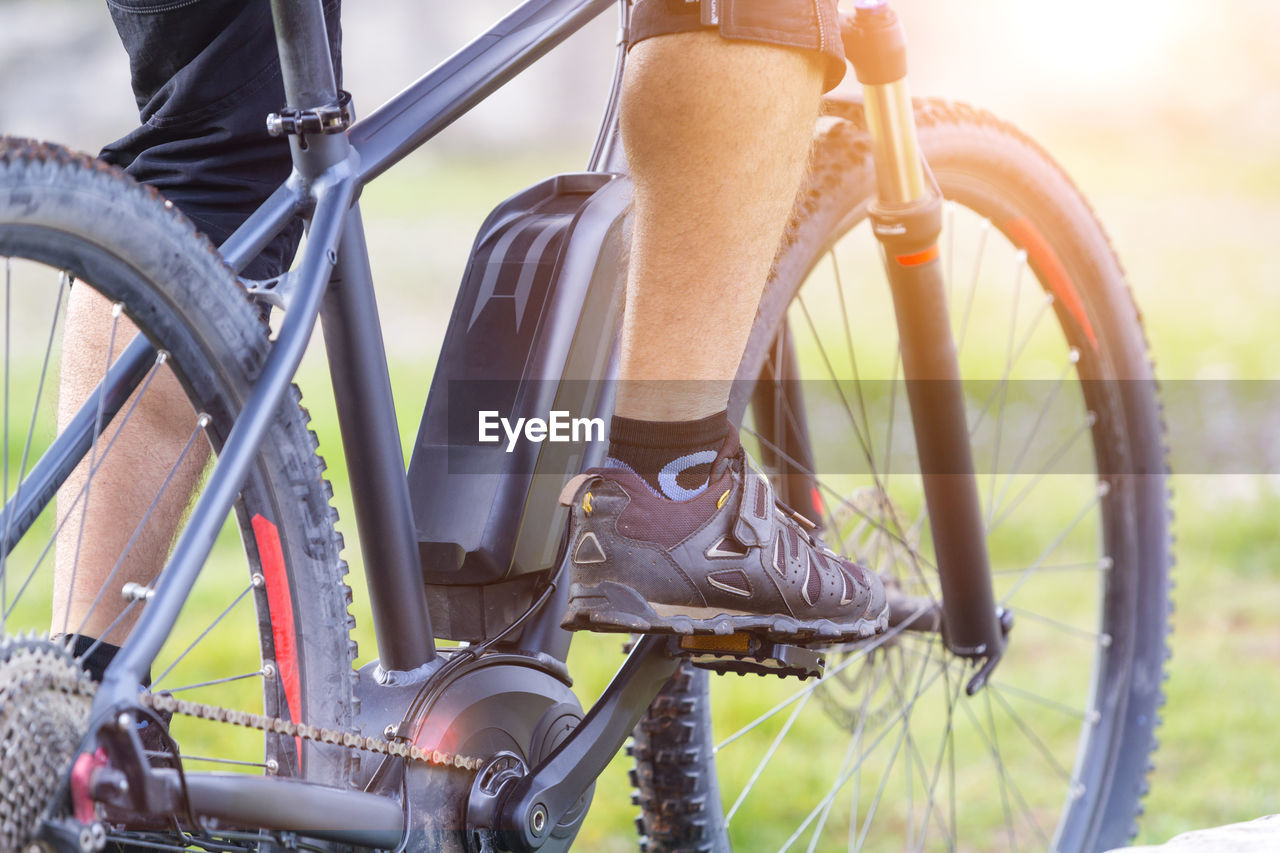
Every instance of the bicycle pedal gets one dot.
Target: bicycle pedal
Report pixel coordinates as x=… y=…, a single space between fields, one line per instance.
x=746 y=654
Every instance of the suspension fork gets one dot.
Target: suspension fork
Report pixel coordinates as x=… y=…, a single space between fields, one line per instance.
x=906 y=218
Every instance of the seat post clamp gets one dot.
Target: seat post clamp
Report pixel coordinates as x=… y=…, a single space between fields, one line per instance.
x=330 y=118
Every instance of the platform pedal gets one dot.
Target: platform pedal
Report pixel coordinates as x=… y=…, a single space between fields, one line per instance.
x=746 y=654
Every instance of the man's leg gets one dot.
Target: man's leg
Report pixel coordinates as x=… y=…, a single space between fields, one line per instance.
x=717 y=135
x=679 y=533
x=204 y=77
x=91 y=542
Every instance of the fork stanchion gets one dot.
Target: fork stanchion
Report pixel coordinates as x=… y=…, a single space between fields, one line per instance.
x=906 y=218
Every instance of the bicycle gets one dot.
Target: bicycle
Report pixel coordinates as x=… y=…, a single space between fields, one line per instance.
x=485 y=746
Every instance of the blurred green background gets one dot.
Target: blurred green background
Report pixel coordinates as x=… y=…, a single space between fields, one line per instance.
x=1166 y=114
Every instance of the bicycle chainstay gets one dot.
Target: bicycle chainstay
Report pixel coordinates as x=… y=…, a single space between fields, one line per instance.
x=261 y=722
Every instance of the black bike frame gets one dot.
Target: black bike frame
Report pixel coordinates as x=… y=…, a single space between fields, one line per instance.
x=332 y=282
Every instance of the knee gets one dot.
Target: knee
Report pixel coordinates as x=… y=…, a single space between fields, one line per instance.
x=684 y=92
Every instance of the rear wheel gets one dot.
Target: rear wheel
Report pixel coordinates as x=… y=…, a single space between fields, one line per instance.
x=887 y=751
x=269 y=637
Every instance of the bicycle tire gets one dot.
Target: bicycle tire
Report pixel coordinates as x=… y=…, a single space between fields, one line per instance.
x=83 y=218
x=988 y=166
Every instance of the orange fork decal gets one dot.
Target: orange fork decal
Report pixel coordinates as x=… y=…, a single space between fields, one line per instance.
x=916 y=259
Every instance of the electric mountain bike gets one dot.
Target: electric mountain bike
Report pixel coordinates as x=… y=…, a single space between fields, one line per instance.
x=1023 y=538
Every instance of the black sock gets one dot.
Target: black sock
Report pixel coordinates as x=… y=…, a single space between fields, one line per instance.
x=96 y=662
x=673 y=457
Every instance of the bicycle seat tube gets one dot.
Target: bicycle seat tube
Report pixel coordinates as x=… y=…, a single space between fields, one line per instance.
x=358 y=362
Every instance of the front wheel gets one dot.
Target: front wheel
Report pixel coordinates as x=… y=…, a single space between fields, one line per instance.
x=888 y=751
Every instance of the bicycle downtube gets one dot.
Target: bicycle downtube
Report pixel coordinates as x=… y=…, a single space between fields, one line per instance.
x=906 y=218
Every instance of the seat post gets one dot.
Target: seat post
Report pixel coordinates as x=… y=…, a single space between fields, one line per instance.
x=305 y=63
x=311 y=92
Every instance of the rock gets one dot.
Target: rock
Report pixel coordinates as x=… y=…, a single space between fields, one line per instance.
x=1248 y=837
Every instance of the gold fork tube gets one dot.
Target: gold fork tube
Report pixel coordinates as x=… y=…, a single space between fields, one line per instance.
x=891 y=121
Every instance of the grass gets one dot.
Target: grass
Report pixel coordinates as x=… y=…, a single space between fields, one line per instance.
x=1207 y=312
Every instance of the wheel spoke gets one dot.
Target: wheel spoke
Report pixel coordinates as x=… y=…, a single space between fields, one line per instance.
x=768 y=756
x=201 y=423
x=984 y=229
x=1004 y=790
x=843 y=778
x=63 y=284
x=1012 y=785
x=1100 y=639
x=997 y=501
x=257 y=673
x=947 y=740
x=844 y=502
x=855 y=742
x=904 y=715
x=1004 y=381
x=853 y=358
x=117 y=311
x=1091 y=717
x=248 y=589
x=82 y=494
x=1008 y=371
x=862 y=440
x=1057 y=454
x=913 y=753
x=1100 y=565
x=1035 y=739
x=1098 y=495
x=860 y=652
x=837 y=384
x=952 y=695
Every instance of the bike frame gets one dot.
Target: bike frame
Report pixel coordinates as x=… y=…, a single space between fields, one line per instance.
x=332 y=282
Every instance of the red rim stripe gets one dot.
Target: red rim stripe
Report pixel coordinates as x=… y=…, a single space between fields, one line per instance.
x=1055 y=274
x=280 y=606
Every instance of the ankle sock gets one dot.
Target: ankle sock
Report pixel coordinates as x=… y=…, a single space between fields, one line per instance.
x=673 y=457
x=96 y=662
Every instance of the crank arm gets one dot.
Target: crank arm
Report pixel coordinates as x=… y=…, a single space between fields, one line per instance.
x=536 y=803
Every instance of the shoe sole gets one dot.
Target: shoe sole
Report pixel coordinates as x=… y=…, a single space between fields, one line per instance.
x=612 y=608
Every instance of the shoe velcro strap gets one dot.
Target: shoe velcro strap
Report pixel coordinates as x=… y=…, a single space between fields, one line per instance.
x=755 y=511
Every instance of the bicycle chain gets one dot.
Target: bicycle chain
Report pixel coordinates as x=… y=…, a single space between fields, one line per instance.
x=317 y=734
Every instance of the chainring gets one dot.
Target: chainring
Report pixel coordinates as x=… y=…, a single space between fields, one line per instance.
x=45 y=700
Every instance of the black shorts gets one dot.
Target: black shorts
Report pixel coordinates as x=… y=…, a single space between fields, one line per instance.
x=812 y=25
x=205 y=74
